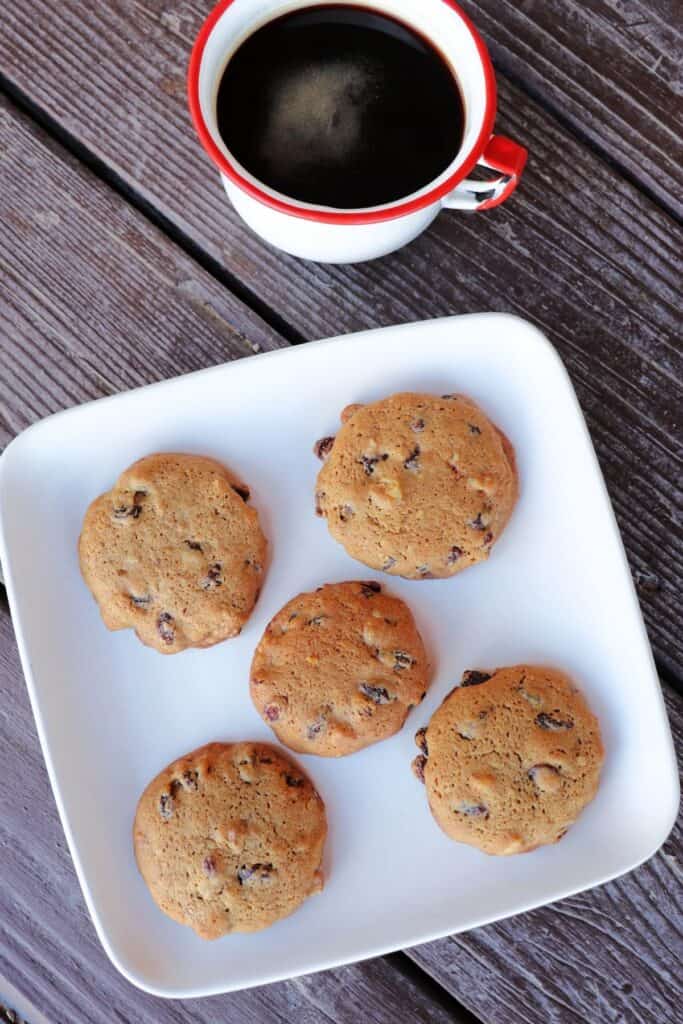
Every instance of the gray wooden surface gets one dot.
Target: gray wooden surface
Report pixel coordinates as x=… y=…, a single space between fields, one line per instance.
x=120 y=263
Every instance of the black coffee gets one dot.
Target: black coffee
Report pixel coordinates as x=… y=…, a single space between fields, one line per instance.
x=340 y=106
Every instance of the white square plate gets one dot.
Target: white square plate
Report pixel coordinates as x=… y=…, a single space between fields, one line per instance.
x=111 y=713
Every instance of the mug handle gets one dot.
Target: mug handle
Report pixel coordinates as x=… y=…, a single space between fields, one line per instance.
x=501 y=154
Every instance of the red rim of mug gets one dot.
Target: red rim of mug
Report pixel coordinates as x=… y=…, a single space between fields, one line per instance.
x=322 y=214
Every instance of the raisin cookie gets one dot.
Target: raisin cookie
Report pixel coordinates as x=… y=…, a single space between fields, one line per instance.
x=415 y=485
x=510 y=759
x=339 y=669
x=230 y=838
x=174 y=552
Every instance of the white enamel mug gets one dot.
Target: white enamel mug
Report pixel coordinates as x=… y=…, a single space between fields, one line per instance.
x=329 y=235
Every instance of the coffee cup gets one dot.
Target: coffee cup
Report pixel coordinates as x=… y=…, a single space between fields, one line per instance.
x=333 y=235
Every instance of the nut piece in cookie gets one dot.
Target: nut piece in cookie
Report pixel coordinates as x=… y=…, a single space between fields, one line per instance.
x=510 y=759
x=339 y=669
x=417 y=485
x=230 y=838
x=175 y=552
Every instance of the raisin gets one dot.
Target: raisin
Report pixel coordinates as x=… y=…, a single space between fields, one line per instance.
x=454 y=554
x=254 y=873
x=413 y=460
x=295 y=781
x=389 y=563
x=425 y=572
x=345 y=513
x=368 y=462
x=323 y=447
x=191 y=780
x=478 y=522
x=546 y=721
x=472 y=810
x=141 y=600
x=272 y=712
x=421 y=740
x=213 y=577
x=474 y=429
x=377 y=694
x=488 y=538
x=315 y=728
x=166 y=627
x=449 y=396
x=402 y=660
x=317 y=620
x=209 y=866
x=417 y=426
x=193 y=545
x=370 y=588
x=242 y=490
x=418 y=767
x=166 y=806
x=127 y=511
x=474 y=678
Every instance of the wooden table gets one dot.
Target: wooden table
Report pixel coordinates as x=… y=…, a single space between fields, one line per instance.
x=121 y=264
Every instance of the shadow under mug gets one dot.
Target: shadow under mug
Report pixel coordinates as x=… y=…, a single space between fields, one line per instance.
x=328 y=235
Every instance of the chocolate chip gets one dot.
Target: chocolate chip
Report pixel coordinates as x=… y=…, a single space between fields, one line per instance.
x=315 y=728
x=377 y=694
x=141 y=600
x=389 y=563
x=213 y=577
x=474 y=678
x=345 y=513
x=317 y=620
x=254 y=873
x=478 y=523
x=473 y=428
x=242 y=490
x=454 y=554
x=472 y=810
x=413 y=460
x=323 y=447
x=417 y=426
x=191 y=780
x=546 y=721
x=421 y=740
x=319 y=495
x=370 y=588
x=193 y=545
x=402 y=660
x=418 y=767
x=295 y=781
x=368 y=462
x=209 y=866
x=166 y=806
x=166 y=627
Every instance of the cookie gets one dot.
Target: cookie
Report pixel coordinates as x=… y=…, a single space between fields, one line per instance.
x=174 y=552
x=510 y=759
x=417 y=486
x=339 y=669
x=230 y=838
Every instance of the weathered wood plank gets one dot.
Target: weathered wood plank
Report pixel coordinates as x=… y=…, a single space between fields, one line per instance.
x=48 y=946
x=613 y=954
x=578 y=251
x=610 y=68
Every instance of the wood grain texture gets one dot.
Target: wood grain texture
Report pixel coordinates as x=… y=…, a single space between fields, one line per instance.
x=612 y=954
x=49 y=950
x=93 y=300
x=578 y=251
x=609 y=68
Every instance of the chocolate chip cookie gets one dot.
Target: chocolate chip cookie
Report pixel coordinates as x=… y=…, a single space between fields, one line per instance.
x=174 y=552
x=510 y=759
x=339 y=669
x=230 y=838
x=416 y=485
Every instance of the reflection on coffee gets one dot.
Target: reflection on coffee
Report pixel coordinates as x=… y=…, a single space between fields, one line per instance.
x=340 y=106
